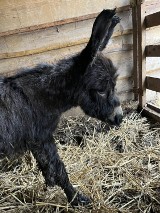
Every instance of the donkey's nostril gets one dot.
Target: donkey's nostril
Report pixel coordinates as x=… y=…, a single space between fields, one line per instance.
x=118 y=119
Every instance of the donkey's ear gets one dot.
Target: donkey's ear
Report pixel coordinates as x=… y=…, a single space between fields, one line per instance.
x=115 y=21
x=100 y=28
x=99 y=32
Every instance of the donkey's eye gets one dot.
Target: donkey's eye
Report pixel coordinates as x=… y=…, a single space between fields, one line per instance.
x=102 y=94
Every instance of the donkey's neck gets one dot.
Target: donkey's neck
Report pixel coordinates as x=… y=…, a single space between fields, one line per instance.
x=56 y=86
x=63 y=85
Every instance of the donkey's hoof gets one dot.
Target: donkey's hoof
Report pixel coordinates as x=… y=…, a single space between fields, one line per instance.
x=81 y=200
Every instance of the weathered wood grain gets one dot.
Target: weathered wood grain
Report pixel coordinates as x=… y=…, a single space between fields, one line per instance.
x=153 y=107
x=121 y=58
x=135 y=52
x=153 y=35
x=152 y=51
x=141 y=53
x=153 y=83
x=152 y=20
x=151 y=114
x=54 y=38
x=56 y=23
x=151 y=6
x=16 y=14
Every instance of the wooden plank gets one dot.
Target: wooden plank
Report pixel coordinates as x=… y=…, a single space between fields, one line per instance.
x=54 y=36
x=152 y=20
x=153 y=83
x=153 y=36
x=151 y=6
x=154 y=73
x=135 y=52
x=11 y=65
x=152 y=64
x=57 y=23
x=43 y=49
x=62 y=44
x=151 y=114
x=152 y=51
x=47 y=25
x=153 y=107
x=141 y=53
x=21 y=14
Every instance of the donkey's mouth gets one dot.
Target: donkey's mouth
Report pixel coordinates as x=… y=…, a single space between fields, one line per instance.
x=116 y=122
x=117 y=117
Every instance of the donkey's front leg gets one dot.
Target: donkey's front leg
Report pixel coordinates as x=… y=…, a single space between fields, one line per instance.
x=54 y=171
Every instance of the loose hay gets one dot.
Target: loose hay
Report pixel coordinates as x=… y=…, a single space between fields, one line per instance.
x=118 y=168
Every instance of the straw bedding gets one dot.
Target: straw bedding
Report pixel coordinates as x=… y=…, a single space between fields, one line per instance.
x=118 y=168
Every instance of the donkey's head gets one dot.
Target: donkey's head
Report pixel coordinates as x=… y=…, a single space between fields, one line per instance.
x=98 y=96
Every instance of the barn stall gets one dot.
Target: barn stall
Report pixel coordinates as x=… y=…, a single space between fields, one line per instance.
x=117 y=168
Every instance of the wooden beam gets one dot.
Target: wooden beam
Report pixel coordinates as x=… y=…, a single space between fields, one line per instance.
x=152 y=20
x=43 y=49
x=135 y=52
x=141 y=52
x=153 y=83
x=47 y=25
x=152 y=51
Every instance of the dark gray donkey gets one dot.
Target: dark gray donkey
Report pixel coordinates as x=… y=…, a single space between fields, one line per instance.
x=32 y=101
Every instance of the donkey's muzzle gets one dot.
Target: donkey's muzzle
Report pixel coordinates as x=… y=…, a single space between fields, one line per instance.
x=117 y=117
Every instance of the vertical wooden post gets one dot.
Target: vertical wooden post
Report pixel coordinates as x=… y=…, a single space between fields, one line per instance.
x=141 y=53
x=135 y=49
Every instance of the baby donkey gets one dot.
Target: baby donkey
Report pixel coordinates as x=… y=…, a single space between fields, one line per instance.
x=32 y=101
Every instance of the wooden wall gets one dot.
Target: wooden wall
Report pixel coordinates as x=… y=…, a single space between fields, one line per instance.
x=37 y=31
